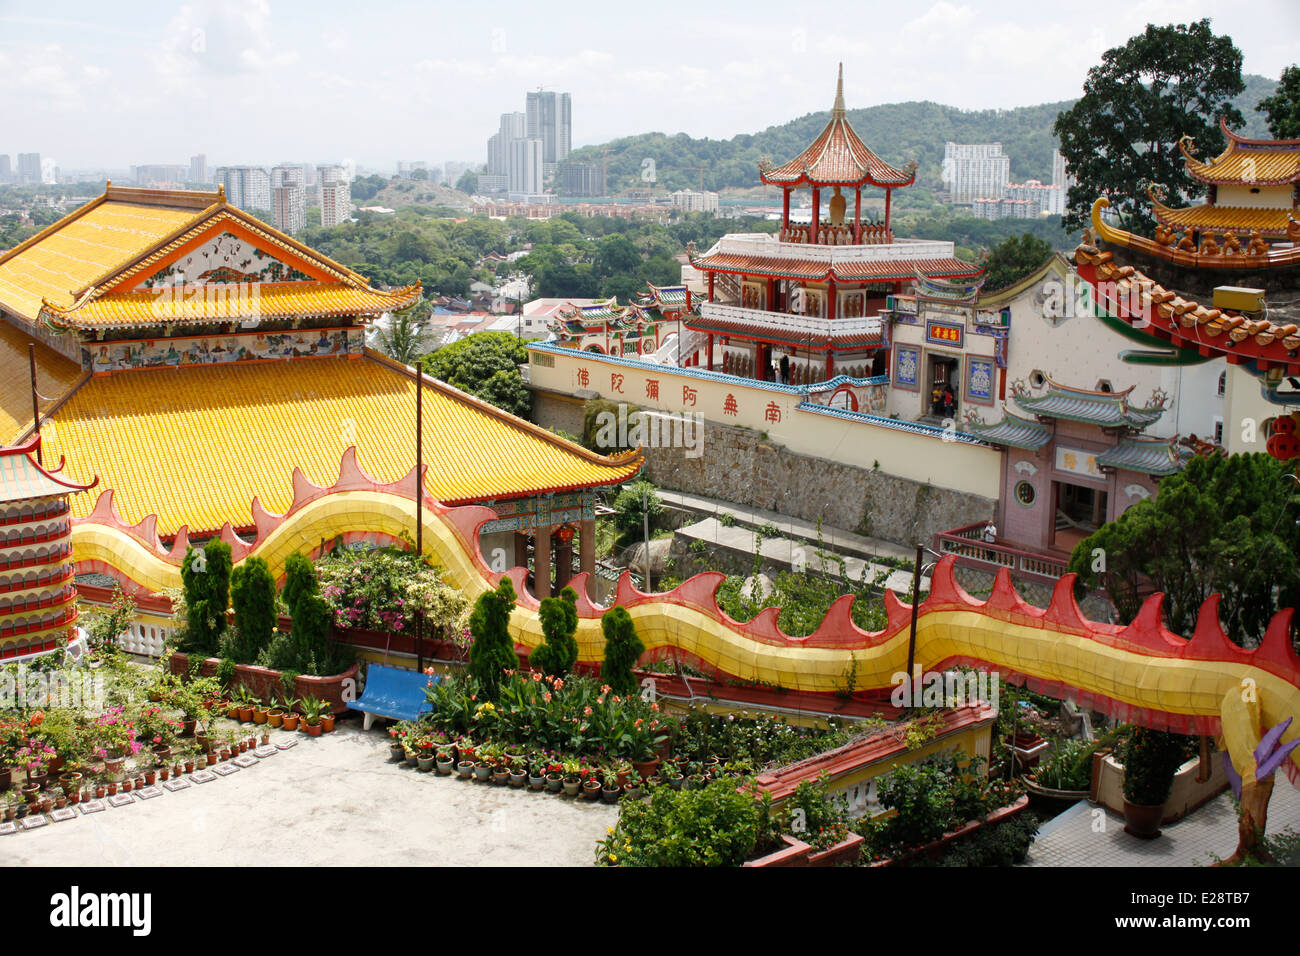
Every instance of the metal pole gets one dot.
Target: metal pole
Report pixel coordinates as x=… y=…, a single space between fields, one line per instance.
x=645 y=517
x=911 y=642
x=419 y=503
x=36 y=409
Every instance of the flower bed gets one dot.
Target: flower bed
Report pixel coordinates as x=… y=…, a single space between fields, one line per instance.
x=337 y=690
x=934 y=848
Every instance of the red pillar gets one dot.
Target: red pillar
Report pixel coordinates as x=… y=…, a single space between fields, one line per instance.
x=831 y=310
x=785 y=211
x=710 y=286
x=709 y=346
x=817 y=213
x=888 y=195
x=771 y=295
x=857 y=215
x=830 y=360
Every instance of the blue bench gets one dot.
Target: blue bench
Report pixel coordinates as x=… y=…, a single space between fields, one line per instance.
x=394 y=693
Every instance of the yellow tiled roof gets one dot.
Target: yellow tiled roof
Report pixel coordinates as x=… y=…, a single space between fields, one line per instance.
x=54 y=376
x=1238 y=219
x=80 y=250
x=195 y=445
x=205 y=304
x=1257 y=162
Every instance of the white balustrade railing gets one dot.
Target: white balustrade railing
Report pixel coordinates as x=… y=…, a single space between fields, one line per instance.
x=145 y=639
x=761 y=244
x=818 y=329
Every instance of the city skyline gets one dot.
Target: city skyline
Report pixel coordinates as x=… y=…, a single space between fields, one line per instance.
x=79 y=78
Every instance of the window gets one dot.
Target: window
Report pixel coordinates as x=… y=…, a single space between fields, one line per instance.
x=1025 y=493
x=1104 y=385
x=1223 y=383
x=1218 y=431
x=1037 y=379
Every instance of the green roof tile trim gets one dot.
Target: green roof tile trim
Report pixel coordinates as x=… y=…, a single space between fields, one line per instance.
x=1014 y=431
x=1146 y=457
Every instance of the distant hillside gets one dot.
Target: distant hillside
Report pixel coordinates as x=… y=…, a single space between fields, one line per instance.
x=898 y=132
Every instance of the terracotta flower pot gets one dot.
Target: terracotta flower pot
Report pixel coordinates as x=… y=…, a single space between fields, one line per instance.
x=327 y=723
x=465 y=769
x=259 y=715
x=1143 y=821
x=275 y=717
x=290 y=721
x=246 y=715
x=314 y=730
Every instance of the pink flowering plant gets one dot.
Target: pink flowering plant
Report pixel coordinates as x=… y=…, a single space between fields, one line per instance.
x=114 y=734
x=383 y=589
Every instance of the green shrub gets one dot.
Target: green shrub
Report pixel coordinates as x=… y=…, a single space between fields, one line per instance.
x=225 y=671
x=1151 y=758
x=299 y=579
x=493 y=651
x=1003 y=845
x=205 y=576
x=631 y=504
x=814 y=816
x=559 y=617
x=622 y=650
x=1070 y=767
x=252 y=595
x=717 y=825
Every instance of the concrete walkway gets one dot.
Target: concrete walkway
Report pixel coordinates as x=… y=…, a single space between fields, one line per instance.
x=1087 y=835
x=334 y=800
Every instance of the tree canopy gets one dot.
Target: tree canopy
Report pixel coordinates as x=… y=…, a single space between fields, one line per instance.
x=1225 y=525
x=1122 y=135
x=1013 y=259
x=1283 y=107
x=487 y=366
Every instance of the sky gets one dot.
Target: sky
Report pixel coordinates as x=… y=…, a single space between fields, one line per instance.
x=109 y=85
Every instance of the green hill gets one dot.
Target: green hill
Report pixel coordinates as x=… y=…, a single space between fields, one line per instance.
x=898 y=132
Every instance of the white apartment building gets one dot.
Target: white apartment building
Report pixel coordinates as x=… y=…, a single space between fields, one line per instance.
x=335 y=202
x=248 y=187
x=525 y=170
x=691 y=201
x=973 y=172
x=288 y=211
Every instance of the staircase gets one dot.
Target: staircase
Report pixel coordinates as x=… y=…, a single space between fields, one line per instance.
x=669 y=353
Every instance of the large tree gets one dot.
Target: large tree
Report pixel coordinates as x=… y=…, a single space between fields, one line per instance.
x=1014 y=258
x=1225 y=524
x=486 y=365
x=1122 y=135
x=1283 y=107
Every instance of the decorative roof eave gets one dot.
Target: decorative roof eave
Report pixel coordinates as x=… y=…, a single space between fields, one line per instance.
x=84 y=315
x=1014 y=431
x=767 y=333
x=41 y=482
x=1269 y=258
x=1266 y=221
x=893 y=270
x=1279 y=168
x=1148 y=457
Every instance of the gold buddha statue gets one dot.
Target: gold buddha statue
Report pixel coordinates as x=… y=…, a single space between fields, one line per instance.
x=838 y=202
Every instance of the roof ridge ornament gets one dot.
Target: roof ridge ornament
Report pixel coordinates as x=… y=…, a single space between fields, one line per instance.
x=838 y=108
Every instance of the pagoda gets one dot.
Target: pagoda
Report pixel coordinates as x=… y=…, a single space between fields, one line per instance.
x=1252 y=191
x=37 y=594
x=801 y=306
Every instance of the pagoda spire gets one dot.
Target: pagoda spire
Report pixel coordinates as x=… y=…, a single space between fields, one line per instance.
x=838 y=109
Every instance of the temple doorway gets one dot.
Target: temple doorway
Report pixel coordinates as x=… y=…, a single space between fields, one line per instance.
x=943 y=378
x=1079 y=511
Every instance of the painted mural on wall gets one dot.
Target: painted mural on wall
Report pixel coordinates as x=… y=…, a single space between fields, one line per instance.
x=216 y=349
x=227 y=258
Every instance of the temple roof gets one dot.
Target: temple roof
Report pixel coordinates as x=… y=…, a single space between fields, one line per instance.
x=1246 y=162
x=1014 y=431
x=202 y=304
x=21 y=478
x=197 y=445
x=840 y=340
x=842 y=270
x=118 y=238
x=1107 y=409
x=1148 y=456
x=1241 y=220
x=671 y=297
x=55 y=375
x=837 y=158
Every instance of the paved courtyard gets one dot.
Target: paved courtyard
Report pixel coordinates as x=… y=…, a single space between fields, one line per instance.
x=1075 y=838
x=329 y=801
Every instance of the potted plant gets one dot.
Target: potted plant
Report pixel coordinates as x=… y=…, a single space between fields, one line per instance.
x=244 y=701
x=465 y=769
x=443 y=760
x=312 y=708
x=633 y=788
x=611 y=789
x=536 y=774
x=289 y=717
x=1151 y=758
x=327 y=720
x=518 y=771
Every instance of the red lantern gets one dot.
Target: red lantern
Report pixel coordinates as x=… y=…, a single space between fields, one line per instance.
x=1284 y=438
x=565 y=534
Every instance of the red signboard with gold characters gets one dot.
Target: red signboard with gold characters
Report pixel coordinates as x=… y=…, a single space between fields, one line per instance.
x=941 y=333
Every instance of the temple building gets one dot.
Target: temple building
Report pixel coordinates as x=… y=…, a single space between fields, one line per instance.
x=1252 y=189
x=801 y=306
x=204 y=365
x=38 y=610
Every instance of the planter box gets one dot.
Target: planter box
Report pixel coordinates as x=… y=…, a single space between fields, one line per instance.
x=1187 y=794
x=796 y=853
x=846 y=851
x=337 y=690
x=936 y=847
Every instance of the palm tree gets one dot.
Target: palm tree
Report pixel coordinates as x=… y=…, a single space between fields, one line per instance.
x=406 y=338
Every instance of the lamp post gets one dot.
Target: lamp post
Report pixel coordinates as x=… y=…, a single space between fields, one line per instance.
x=918 y=571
